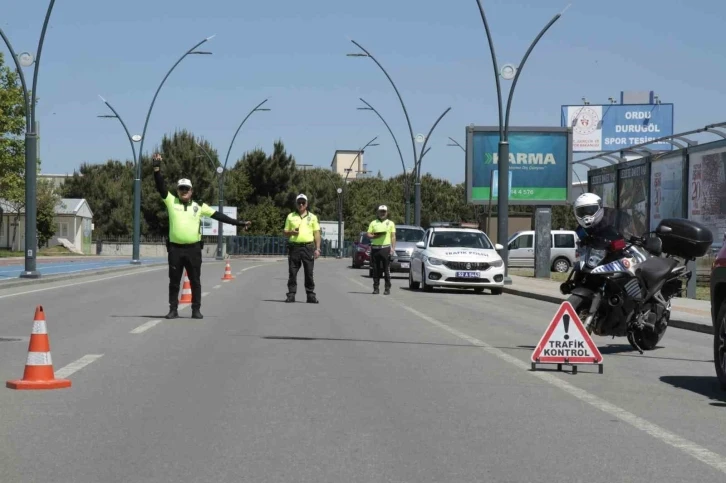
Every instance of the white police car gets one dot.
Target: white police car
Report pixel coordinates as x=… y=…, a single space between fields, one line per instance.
x=457 y=258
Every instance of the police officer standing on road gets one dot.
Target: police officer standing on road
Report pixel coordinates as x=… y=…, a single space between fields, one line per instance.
x=382 y=233
x=303 y=230
x=185 y=238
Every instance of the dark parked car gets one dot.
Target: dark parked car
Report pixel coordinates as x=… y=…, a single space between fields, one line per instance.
x=361 y=251
x=718 y=313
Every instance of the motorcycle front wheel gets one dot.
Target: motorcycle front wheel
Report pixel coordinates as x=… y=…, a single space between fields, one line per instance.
x=581 y=306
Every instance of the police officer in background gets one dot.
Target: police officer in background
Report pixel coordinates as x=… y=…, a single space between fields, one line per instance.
x=303 y=230
x=382 y=233
x=185 y=238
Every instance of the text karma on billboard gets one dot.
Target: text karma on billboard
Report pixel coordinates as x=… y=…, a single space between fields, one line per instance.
x=539 y=165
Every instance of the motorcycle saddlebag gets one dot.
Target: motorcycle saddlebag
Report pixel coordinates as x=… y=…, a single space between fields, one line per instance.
x=684 y=238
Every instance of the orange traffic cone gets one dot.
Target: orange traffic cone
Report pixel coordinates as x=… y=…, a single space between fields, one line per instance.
x=39 y=366
x=228 y=273
x=186 y=293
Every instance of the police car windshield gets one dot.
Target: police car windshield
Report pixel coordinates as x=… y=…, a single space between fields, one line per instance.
x=460 y=239
x=409 y=235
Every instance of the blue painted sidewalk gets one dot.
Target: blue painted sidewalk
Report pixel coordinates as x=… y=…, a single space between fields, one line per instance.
x=71 y=266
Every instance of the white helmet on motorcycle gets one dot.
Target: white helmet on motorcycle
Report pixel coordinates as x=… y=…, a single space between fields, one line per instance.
x=588 y=209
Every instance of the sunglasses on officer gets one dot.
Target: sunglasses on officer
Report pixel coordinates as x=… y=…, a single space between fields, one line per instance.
x=301 y=202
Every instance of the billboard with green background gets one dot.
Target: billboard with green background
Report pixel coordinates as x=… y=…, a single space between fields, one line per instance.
x=539 y=165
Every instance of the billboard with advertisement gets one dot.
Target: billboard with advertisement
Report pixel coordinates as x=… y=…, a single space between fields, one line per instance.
x=603 y=182
x=329 y=232
x=633 y=201
x=597 y=128
x=707 y=189
x=666 y=188
x=539 y=164
x=210 y=227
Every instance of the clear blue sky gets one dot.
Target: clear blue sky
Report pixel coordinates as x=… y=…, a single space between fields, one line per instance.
x=294 y=53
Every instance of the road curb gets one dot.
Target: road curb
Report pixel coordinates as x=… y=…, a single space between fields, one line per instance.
x=679 y=324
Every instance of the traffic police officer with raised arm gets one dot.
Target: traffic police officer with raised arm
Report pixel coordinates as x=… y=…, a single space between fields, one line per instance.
x=382 y=233
x=185 y=238
x=303 y=230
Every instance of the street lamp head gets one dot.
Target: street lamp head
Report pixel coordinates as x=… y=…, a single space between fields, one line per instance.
x=263 y=109
x=26 y=59
x=364 y=108
x=200 y=52
x=107 y=116
x=374 y=144
x=357 y=54
x=508 y=71
x=136 y=138
x=339 y=190
x=220 y=170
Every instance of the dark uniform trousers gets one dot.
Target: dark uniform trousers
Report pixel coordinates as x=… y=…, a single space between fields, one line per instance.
x=381 y=265
x=187 y=257
x=301 y=254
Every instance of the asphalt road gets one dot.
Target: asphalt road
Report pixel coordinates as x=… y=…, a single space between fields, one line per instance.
x=413 y=387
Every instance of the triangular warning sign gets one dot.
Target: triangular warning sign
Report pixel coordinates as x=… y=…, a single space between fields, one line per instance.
x=566 y=341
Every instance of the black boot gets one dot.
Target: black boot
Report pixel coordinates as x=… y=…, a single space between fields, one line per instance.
x=196 y=314
x=387 y=291
x=375 y=290
x=312 y=299
x=173 y=313
x=290 y=298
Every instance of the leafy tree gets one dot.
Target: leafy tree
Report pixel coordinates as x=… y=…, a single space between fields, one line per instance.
x=47 y=201
x=320 y=186
x=12 y=128
x=108 y=190
x=274 y=176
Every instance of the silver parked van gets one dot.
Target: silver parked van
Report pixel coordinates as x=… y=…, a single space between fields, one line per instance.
x=563 y=253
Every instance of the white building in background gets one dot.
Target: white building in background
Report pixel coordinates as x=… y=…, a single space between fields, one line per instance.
x=348 y=163
x=73 y=221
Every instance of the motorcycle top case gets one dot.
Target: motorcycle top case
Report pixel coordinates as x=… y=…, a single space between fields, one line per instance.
x=684 y=238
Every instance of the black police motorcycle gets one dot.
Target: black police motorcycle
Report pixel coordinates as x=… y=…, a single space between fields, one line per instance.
x=624 y=289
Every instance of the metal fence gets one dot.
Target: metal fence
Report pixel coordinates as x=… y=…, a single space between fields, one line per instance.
x=274 y=245
x=259 y=245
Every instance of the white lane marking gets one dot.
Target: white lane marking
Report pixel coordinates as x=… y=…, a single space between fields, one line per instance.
x=700 y=453
x=76 y=366
x=216 y=286
x=95 y=280
x=205 y=294
x=250 y=268
x=145 y=327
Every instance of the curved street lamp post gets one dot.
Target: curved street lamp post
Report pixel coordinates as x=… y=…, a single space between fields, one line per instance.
x=340 y=193
x=416 y=158
x=406 y=183
x=503 y=148
x=223 y=173
x=31 y=146
x=135 y=258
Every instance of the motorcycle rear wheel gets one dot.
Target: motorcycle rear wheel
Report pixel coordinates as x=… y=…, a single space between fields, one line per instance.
x=648 y=339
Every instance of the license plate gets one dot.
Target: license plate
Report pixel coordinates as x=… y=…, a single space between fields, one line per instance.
x=467 y=274
x=405 y=265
